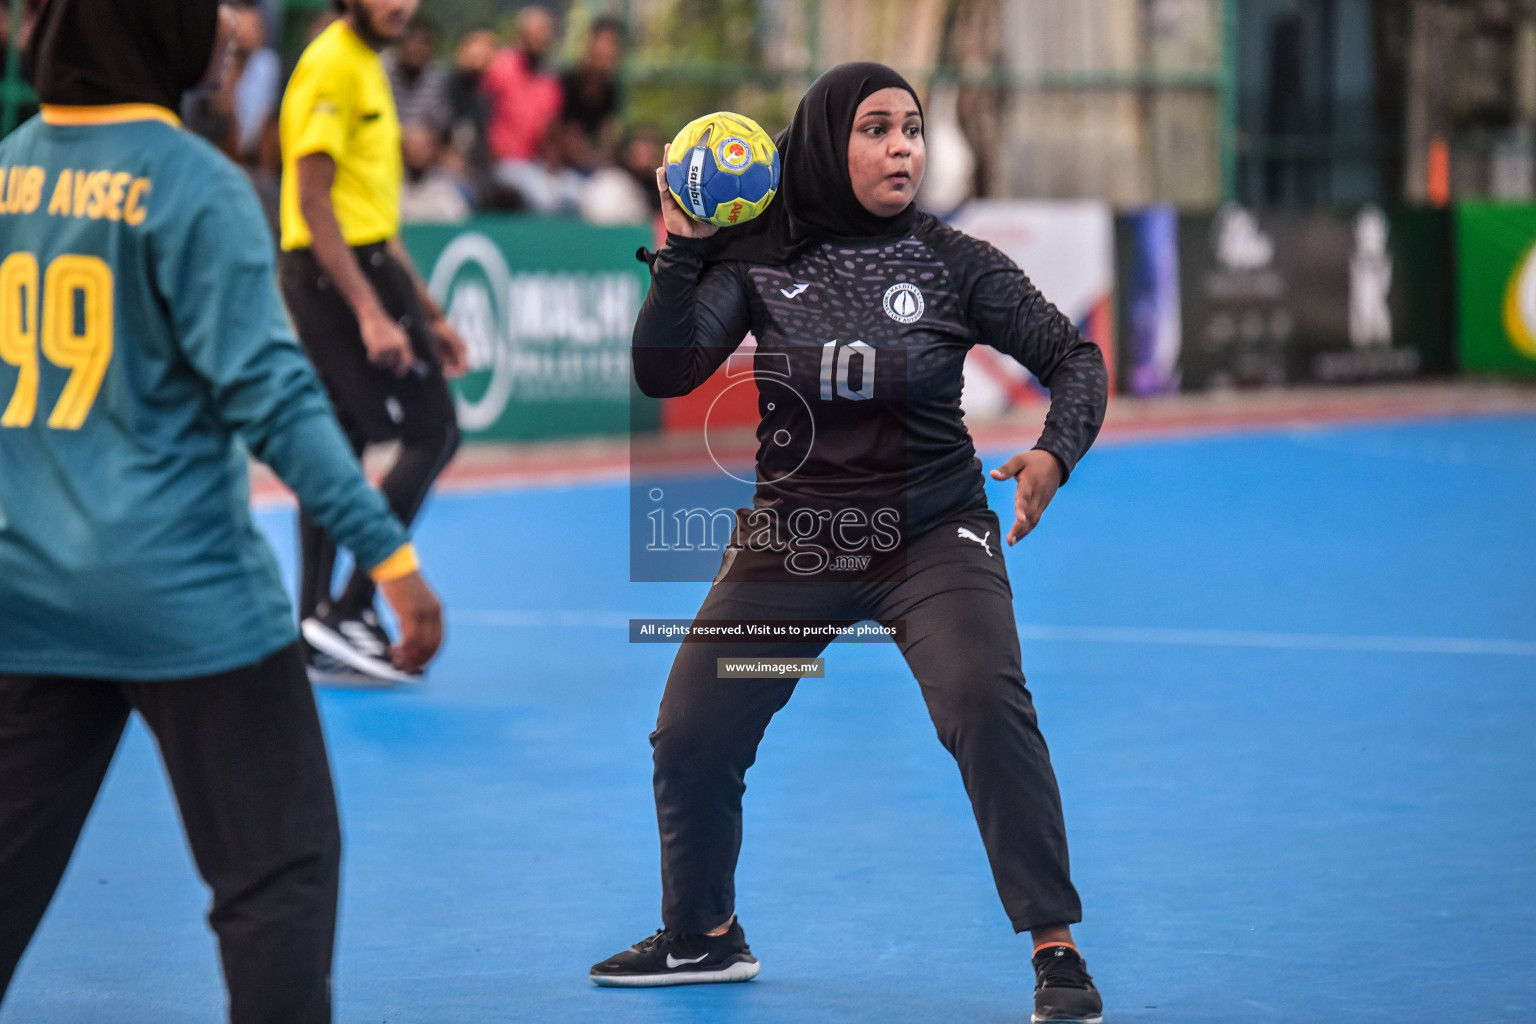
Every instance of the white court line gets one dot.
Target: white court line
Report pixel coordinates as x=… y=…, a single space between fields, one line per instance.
x=1279 y=641
x=528 y=619
x=519 y=619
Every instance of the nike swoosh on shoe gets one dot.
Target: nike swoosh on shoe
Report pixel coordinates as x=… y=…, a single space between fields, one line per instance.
x=673 y=962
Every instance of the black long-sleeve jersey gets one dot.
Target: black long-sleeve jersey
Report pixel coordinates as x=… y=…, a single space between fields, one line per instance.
x=860 y=349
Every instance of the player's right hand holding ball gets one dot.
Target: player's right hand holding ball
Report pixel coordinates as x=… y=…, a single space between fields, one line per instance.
x=677 y=222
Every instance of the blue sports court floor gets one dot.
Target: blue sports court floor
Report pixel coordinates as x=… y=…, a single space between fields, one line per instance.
x=1289 y=680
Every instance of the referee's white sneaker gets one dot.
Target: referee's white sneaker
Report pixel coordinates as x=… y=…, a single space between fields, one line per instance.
x=671 y=958
x=359 y=643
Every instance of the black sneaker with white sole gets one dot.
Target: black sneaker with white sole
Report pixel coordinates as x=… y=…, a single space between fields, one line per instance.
x=1064 y=989
x=671 y=958
x=325 y=670
x=359 y=643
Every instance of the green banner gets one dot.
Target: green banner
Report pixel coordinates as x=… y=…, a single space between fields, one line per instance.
x=1496 y=286
x=546 y=308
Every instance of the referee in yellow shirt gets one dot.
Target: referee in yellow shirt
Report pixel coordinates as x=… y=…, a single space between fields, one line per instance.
x=380 y=343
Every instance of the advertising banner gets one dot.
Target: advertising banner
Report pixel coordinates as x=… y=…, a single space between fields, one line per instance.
x=1496 y=286
x=1067 y=249
x=1288 y=297
x=1149 y=327
x=546 y=308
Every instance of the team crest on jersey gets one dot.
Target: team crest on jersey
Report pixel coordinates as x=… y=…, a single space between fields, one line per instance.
x=733 y=153
x=904 y=303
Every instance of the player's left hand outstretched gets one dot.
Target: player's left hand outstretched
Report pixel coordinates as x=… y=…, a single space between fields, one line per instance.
x=450 y=347
x=1039 y=475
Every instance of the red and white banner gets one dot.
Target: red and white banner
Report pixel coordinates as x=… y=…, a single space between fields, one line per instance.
x=1068 y=250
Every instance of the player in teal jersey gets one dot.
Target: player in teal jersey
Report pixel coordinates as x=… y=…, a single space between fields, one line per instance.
x=144 y=352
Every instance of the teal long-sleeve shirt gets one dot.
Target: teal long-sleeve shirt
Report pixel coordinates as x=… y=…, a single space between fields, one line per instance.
x=144 y=351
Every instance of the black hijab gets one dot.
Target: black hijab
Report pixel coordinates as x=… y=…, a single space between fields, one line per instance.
x=95 y=52
x=816 y=199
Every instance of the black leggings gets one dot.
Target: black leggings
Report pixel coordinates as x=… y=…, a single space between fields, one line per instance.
x=405 y=487
x=962 y=645
x=372 y=404
x=246 y=759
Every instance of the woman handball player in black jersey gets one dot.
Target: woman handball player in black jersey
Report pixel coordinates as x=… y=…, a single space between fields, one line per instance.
x=869 y=505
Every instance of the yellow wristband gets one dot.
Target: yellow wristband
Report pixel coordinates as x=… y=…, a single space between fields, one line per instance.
x=402 y=563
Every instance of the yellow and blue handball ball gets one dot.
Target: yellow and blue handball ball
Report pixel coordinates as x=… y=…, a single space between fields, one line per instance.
x=723 y=169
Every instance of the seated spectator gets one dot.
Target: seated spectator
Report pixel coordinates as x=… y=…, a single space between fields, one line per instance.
x=588 y=120
x=320 y=22
x=23 y=110
x=626 y=194
x=420 y=84
x=468 y=110
x=430 y=191
x=235 y=109
x=266 y=173
x=525 y=102
x=260 y=77
x=639 y=156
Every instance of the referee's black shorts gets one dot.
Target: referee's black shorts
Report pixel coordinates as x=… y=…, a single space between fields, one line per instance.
x=372 y=403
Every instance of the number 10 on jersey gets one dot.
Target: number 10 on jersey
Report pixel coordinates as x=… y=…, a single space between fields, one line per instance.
x=71 y=325
x=836 y=364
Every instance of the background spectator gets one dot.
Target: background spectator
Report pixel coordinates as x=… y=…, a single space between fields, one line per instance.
x=259 y=77
x=319 y=23
x=265 y=170
x=639 y=156
x=23 y=110
x=626 y=194
x=419 y=82
x=431 y=191
x=235 y=109
x=469 y=111
x=525 y=102
x=588 y=118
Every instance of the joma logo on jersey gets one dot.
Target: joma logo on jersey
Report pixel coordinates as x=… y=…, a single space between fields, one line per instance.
x=904 y=303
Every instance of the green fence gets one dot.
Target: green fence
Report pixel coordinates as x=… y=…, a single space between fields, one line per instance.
x=546 y=308
x=1496 y=286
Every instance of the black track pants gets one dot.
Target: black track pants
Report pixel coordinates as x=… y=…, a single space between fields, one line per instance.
x=372 y=404
x=961 y=644
x=246 y=760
